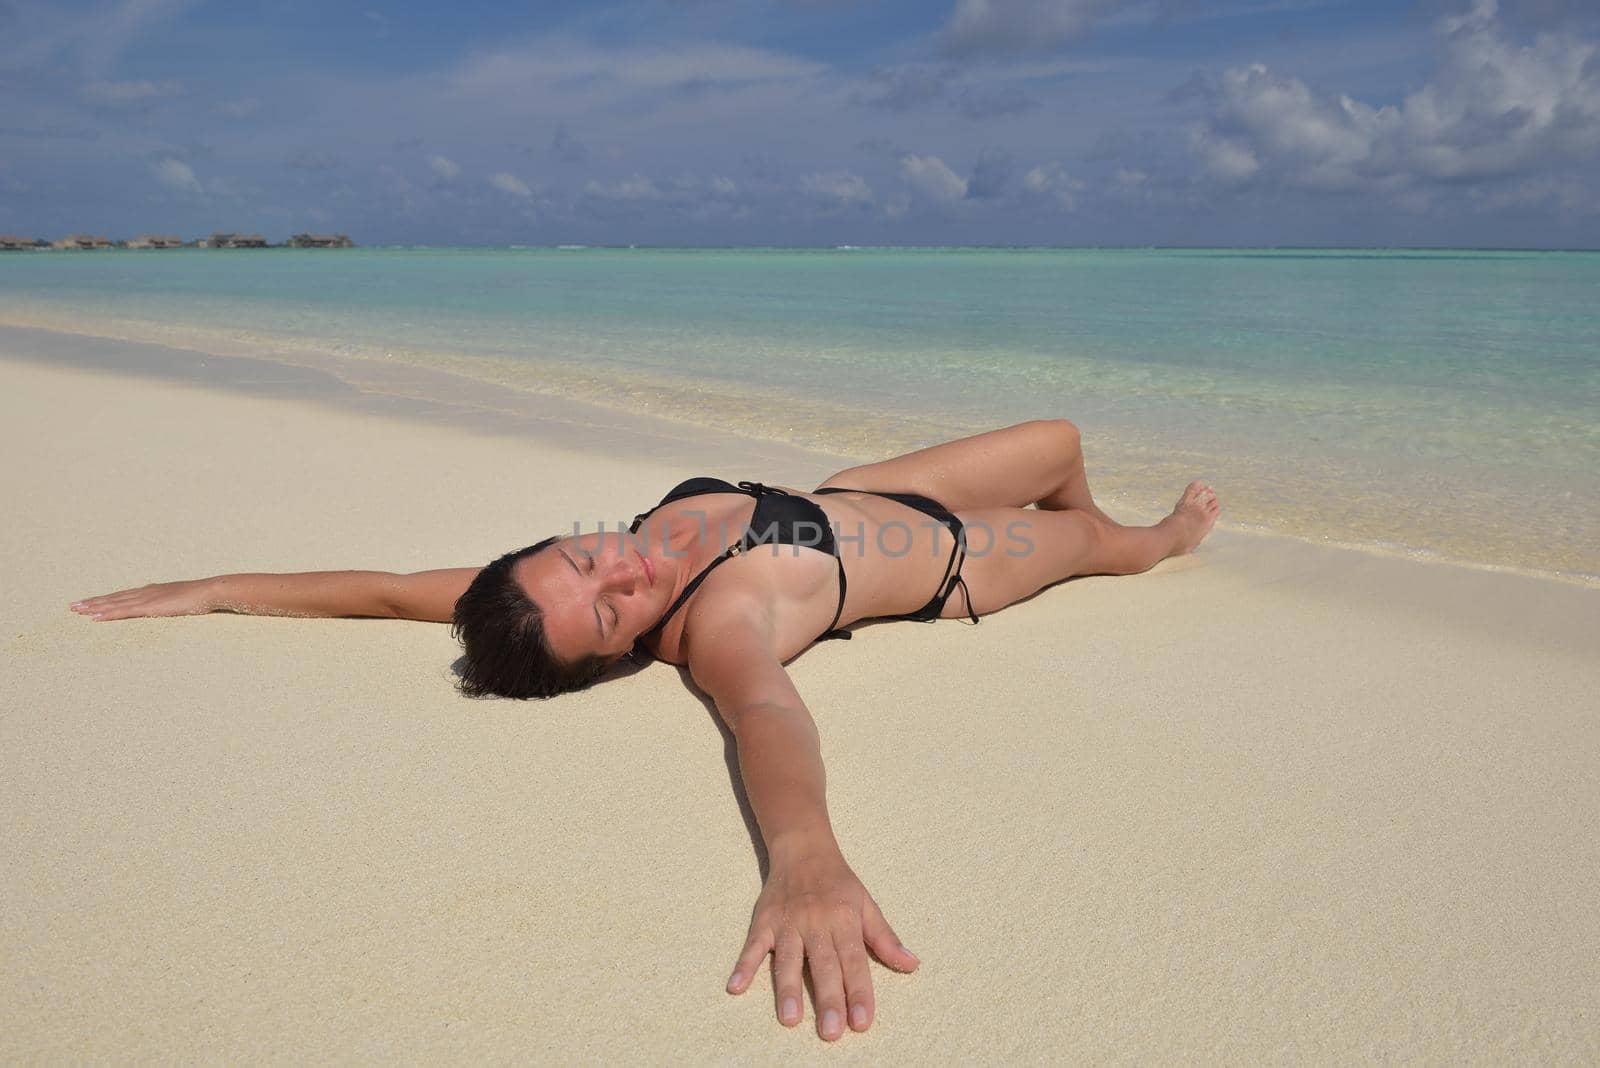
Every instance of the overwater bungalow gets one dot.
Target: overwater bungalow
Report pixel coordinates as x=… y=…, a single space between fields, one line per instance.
x=222 y=240
x=321 y=241
x=13 y=243
x=156 y=241
x=76 y=241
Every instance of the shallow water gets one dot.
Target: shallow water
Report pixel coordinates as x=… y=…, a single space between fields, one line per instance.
x=1439 y=403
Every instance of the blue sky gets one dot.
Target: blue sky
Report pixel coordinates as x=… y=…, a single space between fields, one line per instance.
x=816 y=122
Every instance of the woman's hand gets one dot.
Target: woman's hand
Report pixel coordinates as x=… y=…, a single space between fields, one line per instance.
x=192 y=598
x=815 y=910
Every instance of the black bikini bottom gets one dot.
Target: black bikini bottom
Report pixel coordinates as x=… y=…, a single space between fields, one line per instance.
x=958 y=556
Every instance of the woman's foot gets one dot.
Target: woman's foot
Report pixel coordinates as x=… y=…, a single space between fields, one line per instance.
x=1194 y=515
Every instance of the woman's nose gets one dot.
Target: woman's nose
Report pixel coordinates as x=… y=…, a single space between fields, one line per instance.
x=623 y=576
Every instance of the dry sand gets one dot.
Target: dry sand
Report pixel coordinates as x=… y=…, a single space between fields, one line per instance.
x=1274 y=802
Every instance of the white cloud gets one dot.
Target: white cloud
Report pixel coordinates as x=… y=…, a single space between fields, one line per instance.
x=513 y=73
x=635 y=188
x=930 y=176
x=238 y=109
x=1052 y=180
x=687 y=196
x=510 y=184
x=1479 y=16
x=122 y=93
x=1567 y=195
x=839 y=187
x=444 y=167
x=1016 y=27
x=1224 y=157
x=177 y=174
x=1493 y=109
x=107 y=31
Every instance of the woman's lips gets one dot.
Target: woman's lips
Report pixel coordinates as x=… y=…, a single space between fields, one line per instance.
x=649 y=569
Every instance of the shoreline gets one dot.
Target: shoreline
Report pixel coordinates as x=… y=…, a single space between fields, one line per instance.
x=1381 y=250
x=424 y=395
x=440 y=395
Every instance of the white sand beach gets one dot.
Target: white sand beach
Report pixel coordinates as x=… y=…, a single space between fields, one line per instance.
x=1273 y=802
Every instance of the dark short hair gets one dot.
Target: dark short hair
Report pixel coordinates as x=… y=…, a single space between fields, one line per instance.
x=502 y=628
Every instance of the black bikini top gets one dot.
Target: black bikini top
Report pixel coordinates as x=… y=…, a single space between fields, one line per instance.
x=780 y=518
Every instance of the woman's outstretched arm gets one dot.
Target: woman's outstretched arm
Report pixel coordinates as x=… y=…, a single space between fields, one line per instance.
x=812 y=908
x=429 y=596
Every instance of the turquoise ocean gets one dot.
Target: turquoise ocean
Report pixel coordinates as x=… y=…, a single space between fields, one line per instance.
x=1440 y=404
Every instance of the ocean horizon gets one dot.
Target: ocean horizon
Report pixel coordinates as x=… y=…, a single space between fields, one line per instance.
x=1440 y=403
x=645 y=246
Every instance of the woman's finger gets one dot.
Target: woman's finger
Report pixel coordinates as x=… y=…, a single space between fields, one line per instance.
x=756 y=946
x=96 y=604
x=787 y=959
x=115 y=610
x=857 y=977
x=110 y=596
x=118 y=610
x=884 y=942
x=827 y=984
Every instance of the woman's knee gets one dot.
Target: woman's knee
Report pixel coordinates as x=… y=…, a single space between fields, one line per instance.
x=1063 y=433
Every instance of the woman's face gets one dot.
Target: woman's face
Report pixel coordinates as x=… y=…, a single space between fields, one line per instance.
x=598 y=593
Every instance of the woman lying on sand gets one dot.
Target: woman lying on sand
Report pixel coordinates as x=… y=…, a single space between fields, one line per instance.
x=734 y=581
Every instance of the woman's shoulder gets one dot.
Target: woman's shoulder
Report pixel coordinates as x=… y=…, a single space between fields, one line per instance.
x=717 y=610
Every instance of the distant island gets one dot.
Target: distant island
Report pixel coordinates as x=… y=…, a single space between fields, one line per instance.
x=13 y=243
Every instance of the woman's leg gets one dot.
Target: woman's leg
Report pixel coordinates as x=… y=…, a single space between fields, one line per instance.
x=1013 y=553
x=1038 y=462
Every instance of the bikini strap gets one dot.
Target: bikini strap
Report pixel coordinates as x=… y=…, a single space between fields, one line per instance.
x=727 y=554
x=960 y=579
x=968 y=595
x=952 y=574
x=834 y=630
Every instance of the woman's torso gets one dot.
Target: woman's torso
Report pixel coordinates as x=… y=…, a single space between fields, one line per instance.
x=893 y=556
